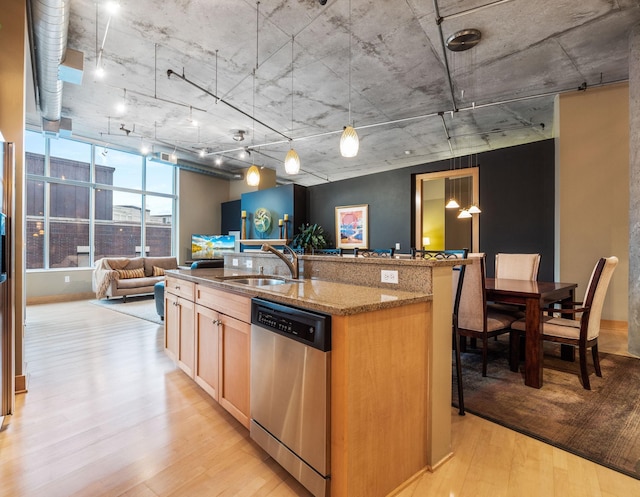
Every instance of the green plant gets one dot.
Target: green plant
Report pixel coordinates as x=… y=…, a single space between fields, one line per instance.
x=309 y=236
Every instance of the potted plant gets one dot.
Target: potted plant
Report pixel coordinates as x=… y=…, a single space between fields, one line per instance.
x=309 y=236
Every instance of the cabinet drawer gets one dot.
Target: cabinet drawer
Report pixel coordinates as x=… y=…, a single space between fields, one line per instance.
x=231 y=304
x=181 y=288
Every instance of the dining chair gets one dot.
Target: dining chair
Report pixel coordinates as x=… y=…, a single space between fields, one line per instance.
x=458 y=280
x=581 y=333
x=373 y=252
x=329 y=251
x=437 y=254
x=475 y=319
x=515 y=267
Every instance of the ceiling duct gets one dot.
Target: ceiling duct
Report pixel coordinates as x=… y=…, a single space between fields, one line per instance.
x=199 y=168
x=50 y=21
x=167 y=158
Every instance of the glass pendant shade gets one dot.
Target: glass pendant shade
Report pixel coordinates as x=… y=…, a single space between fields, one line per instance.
x=452 y=204
x=464 y=214
x=349 y=142
x=292 y=162
x=253 y=176
x=474 y=209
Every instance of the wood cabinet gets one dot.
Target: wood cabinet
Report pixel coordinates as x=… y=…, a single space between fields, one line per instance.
x=234 y=371
x=209 y=336
x=207 y=350
x=179 y=323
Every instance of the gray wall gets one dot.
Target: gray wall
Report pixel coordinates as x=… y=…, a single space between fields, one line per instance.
x=516 y=198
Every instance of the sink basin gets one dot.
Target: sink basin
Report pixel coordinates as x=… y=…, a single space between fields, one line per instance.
x=259 y=281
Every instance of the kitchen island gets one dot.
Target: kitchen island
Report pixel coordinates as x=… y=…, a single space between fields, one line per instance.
x=390 y=362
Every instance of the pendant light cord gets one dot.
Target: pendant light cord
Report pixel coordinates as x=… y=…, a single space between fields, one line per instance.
x=292 y=40
x=350 y=36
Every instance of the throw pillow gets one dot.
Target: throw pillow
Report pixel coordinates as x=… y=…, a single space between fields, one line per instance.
x=158 y=271
x=130 y=273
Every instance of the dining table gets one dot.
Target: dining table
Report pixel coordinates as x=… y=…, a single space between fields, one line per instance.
x=534 y=296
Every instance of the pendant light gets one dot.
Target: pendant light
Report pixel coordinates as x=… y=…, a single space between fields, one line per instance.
x=474 y=209
x=253 y=176
x=349 y=142
x=452 y=204
x=292 y=161
x=253 y=173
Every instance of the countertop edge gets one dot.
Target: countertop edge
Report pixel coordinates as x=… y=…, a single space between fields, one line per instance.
x=387 y=299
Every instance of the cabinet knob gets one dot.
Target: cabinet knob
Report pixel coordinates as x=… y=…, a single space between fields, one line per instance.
x=216 y=322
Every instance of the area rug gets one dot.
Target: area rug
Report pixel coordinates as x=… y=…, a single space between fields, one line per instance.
x=602 y=425
x=143 y=307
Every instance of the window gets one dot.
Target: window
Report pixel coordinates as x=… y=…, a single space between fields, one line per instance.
x=81 y=195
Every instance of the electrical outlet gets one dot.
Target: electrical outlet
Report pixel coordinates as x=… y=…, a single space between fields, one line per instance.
x=249 y=264
x=398 y=246
x=67 y=279
x=234 y=262
x=387 y=276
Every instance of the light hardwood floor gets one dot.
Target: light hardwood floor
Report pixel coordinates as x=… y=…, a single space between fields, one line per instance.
x=108 y=414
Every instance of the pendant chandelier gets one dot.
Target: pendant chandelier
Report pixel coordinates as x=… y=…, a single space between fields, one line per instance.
x=253 y=176
x=292 y=160
x=349 y=142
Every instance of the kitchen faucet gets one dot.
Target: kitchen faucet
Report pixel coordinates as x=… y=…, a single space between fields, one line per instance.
x=291 y=264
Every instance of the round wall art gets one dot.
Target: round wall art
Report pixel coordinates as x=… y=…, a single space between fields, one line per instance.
x=262 y=220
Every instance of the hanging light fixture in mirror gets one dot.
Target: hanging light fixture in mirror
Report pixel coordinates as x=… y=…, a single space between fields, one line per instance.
x=452 y=204
x=292 y=160
x=349 y=142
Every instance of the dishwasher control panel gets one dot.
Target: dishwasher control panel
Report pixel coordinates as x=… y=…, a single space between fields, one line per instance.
x=311 y=328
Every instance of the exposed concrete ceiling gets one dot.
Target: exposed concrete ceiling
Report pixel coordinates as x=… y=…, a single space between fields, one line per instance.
x=401 y=102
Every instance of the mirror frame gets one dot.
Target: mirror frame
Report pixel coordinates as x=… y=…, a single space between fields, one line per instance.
x=474 y=172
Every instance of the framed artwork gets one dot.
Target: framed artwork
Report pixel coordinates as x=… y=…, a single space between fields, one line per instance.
x=352 y=226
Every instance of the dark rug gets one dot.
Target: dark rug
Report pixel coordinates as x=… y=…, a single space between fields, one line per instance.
x=602 y=425
x=142 y=306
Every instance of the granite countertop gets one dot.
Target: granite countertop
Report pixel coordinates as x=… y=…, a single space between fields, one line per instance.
x=340 y=299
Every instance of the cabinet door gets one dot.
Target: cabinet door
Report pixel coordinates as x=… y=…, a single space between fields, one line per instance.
x=171 y=325
x=235 y=348
x=186 y=336
x=207 y=350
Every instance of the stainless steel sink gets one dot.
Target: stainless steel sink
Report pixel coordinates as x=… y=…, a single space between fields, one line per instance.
x=264 y=281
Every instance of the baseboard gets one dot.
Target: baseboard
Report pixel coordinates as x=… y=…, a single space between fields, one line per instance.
x=614 y=325
x=21 y=383
x=64 y=297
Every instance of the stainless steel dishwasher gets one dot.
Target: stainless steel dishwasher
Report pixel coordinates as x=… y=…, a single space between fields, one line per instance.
x=290 y=368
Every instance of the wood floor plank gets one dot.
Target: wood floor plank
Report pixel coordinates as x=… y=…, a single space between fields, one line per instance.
x=108 y=414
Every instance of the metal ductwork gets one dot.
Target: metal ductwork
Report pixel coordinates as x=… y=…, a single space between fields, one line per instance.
x=50 y=21
x=167 y=158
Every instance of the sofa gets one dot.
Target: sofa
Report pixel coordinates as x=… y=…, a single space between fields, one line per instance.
x=123 y=276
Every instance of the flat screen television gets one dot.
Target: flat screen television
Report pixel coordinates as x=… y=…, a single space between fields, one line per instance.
x=211 y=246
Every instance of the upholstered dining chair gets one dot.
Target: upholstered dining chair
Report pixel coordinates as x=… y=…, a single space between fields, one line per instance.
x=581 y=333
x=475 y=319
x=515 y=267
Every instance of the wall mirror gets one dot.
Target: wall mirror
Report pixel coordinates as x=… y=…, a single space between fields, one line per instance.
x=439 y=228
